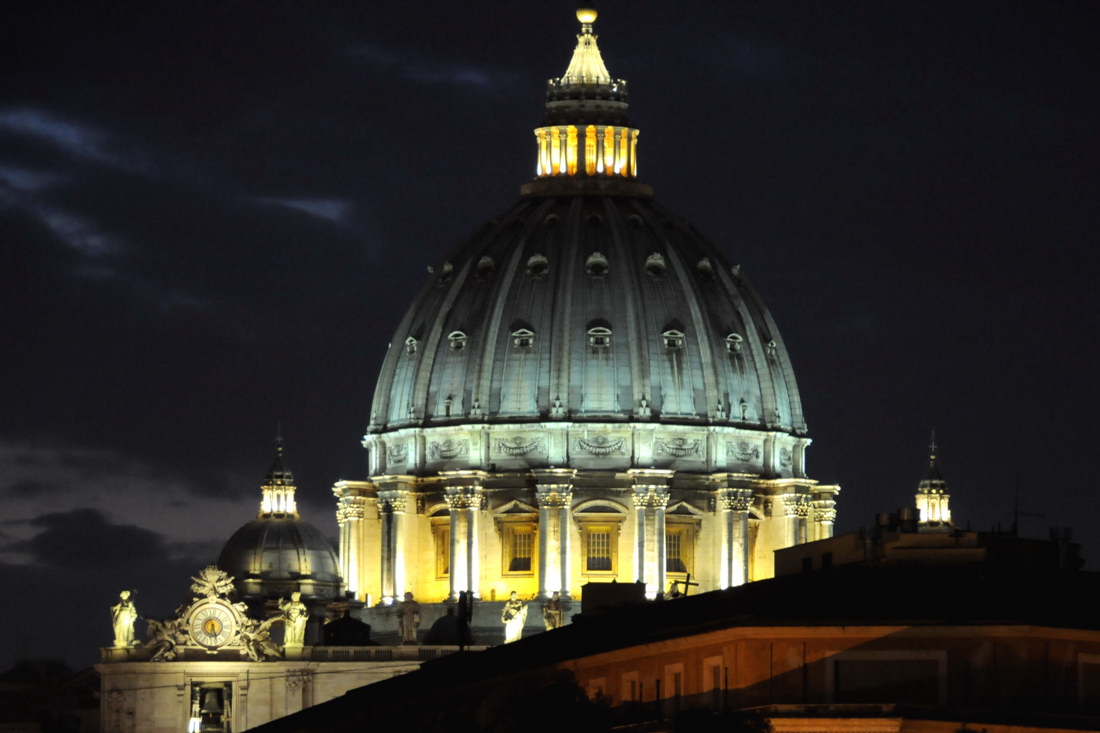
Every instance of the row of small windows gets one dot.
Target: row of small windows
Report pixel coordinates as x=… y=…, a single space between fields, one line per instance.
x=598 y=337
x=596 y=265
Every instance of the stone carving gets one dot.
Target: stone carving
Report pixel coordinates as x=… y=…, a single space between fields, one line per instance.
x=350 y=507
x=520 y=445
x=558 y=409
x=554 y=496
x=475 y=410
x=295 y=616
x=394 y=501
x=123 y=616
x=679 y=447
x=164 y=636
x=408 y=619
x=785 y=456
x=802 y=506
x=255 y=637
x=735 y=500
x=742 y=450
x=650 y=497
x=643 y=411
x=211 y=583
x=398 y=453
x=448 y=449
x=513 y=616
x=601 y=445
x=463 y=497
x=294 y=680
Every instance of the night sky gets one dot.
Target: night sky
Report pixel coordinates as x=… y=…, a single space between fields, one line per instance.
x=212 y=216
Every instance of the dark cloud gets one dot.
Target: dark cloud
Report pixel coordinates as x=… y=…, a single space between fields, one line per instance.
x=29 y=489
x=83 y=538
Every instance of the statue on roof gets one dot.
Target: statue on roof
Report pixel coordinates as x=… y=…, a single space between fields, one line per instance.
x=123 y=616
x=295 y=616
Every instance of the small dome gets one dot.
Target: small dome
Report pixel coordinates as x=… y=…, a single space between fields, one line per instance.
x=278 y=552
x=277 y=555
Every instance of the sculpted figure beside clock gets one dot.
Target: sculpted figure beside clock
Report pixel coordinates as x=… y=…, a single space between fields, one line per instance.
x=295 y=616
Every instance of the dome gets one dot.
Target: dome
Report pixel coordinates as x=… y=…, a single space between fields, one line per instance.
x=588 y=308
x=585 y=392
x=278 y=552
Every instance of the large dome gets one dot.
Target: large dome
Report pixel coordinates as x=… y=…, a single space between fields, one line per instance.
x=587 y=308
x=586 y=391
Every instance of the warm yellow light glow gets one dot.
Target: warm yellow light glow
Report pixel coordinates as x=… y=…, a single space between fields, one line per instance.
x=587 y=15
x=571 y=148
x=595 y=150
x=590 y=150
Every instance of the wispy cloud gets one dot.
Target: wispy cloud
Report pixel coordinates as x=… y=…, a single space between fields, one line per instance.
x=427 y=71
x=73 y=137
x=334 y=210
x=28 y=181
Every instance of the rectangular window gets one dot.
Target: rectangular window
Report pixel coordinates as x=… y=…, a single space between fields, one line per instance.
x=442 y=534
x=674 y=562
x=678 y=547
x=598 y=549
x=521 y=546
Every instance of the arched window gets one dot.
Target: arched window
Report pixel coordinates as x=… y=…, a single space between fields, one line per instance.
x=734 y=342
x=457 y=340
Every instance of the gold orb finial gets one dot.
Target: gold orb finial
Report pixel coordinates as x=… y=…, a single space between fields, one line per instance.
x=587 y=15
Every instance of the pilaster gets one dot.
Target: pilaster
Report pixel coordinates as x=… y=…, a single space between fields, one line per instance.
x=651 y=491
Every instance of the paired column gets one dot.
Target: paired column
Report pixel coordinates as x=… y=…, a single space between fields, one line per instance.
x=465 y=498
x=651 y=486
x=394 y=505
x=824 y=507
x=554 y=490
x=733 y=508
x=350 y=511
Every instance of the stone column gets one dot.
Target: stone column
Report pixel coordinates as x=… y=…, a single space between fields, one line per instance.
x=802 y=514
x=733 y=508
x=554 y=491
x=350 y=511
x=651 y=487
x=465 y=498
x=394 y=504
x=824 y=507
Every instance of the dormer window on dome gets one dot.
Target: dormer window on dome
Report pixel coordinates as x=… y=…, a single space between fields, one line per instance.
x=596 y=265
x=599 y=337
x=410 y=345
x=734 y=342
x=655 y=265
x=457 y=340
x=673 y=339
x=523 y=338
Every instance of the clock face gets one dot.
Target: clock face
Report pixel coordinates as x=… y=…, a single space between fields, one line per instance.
x=212 y=626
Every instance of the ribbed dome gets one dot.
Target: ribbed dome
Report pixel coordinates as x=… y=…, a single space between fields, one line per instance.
x=278 y=552
x=585 y=392
x=588 y=307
